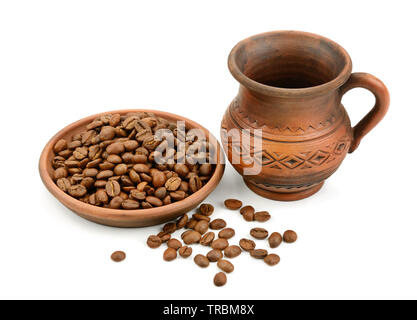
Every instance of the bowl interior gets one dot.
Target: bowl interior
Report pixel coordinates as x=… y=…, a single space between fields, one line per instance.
x=119 y=217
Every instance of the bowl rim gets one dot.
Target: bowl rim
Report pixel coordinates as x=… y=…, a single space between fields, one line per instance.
x=88 y=210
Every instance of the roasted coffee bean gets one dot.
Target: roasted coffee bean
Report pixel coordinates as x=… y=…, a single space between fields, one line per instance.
x=258 y=253
x=259 y=233
x=217 y=224
x=248 y=216
x=102 y=197
x=201 y=226
x=181 y=169
x=206 y=209
x=275 y=239
x=247 y=244
x=232 y=251
x=164 y=236
x=233 y=204
x=158 y=179
x=90 y=172
x=227 y=233
x=182 y=222
x=141 y=168
x=225 y=265
x=60 y=145
x=77 y=191
x=195 y=184
x=112 y=188
x=177 y=195
x=290 y=236
x=160 y=193
x=174 y=244
x=64 y=184
x=262 y=216
x=170 y=254
x=116 y=202
x=220 y=244
x=154 y=241
x=207 y=238
x=185 y=251
x=118 y=256
x=130 y=204
x=173 y=183
x=170 y=227
x=105 y=174
x=87 y=182
x=205 y=169
x=220 y=279
x=154 y=201
x=185 y=233
x=131 y=145
x=199 y=216
x=191 y=223
x=192 y=237
x=201 y=261
x=61 y=172
x=107 y=133
x=114 y=119
x=272 y=259
x=115 y=148
x=214 y=255
x=138 y=195
x=247 y=209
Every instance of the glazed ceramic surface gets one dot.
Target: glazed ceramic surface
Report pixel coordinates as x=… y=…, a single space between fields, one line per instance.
x=118 y=217
x=291 y=86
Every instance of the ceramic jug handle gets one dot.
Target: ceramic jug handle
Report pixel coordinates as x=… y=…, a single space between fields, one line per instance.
x=373 y=84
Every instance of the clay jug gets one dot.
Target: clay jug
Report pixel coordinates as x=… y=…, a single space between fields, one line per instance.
x=291 y=86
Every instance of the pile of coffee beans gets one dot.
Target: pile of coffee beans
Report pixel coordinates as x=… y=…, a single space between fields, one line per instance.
x=200 y=230
x=113 y=162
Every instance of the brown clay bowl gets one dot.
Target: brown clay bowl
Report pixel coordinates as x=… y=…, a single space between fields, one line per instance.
x=118 y=217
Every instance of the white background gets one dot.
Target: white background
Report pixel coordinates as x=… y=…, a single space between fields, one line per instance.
x=64 y=60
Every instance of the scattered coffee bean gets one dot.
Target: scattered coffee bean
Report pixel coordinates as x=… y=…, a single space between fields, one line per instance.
x=192 y=237
x=217 y=224
x=214 y=255
x=207 y=238
x=206 y=209
x=262 y=216
x=259 y=233
x=258 y=253
x=174 y=244
x=185 y=251
x=275 y=239
x=290 y=236
x=118 y=256
x=198 y=217
x=248 y=216
x=233 y=204
x=247 y=209
x=247 y=244
x=201 y=226
x=232 y=251
x=191 y=223
x=154 y=241
x=201 y=261
x=170 y=254
x=220 y=244
x=226 y=233
x=165 y=237
x=220 y=279
x=272 y=259
x=170 y=227
x=225 y=265
x=182 y=222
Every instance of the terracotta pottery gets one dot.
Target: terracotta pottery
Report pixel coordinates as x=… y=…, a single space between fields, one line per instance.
x=118 y=217
x=291 y=86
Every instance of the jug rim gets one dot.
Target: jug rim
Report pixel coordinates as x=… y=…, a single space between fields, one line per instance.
x=265 y=89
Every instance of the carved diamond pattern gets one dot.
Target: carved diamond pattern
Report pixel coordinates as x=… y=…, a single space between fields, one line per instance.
x=318 y=157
